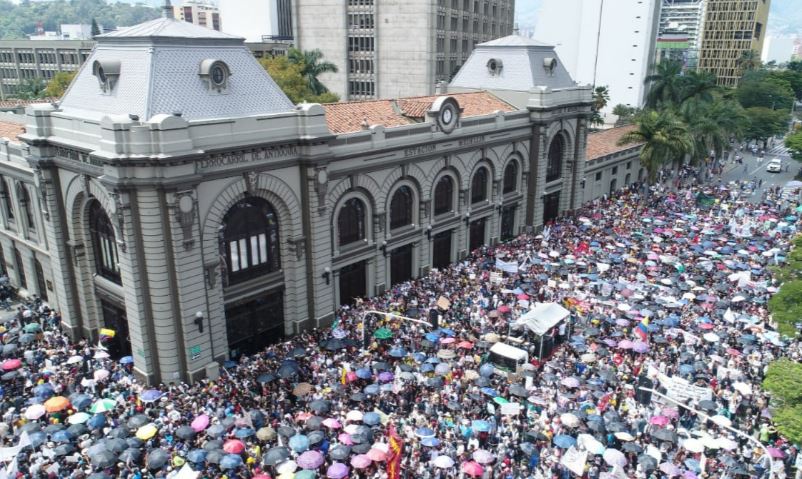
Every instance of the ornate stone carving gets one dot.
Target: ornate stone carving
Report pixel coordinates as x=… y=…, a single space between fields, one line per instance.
x=185 y=215
x=41 y=185
x=118 y=218
x=251 y=181
x=210 y=271
x=298 y=246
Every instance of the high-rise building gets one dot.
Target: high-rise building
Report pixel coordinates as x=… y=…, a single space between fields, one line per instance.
x=397 y=48
x=732 y=28
x=200 y=12
x=604 y=43
x=258 y=20
x=680 y=31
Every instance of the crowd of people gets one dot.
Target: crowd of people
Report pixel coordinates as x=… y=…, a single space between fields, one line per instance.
x=666 y=291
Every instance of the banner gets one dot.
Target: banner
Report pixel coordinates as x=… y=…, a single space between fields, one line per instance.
x=507 y=267
x=574 y=460
x=396 y=450
x=681 y=390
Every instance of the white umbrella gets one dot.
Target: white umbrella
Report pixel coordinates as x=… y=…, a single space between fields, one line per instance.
x=721 y=420
x=353 y=416
x=101 y=374
x=443 y=462
x=287 y=467
x=590 y=444
x=100 y=354
x=711 y=337
x=743 y=388
x=710 y=442
x=569 y=420
x=75 y=360
x=727 y=444
x=624 y=307
x=34 y=412
x=614 y=457
x=693 y=445
x=78 y=418
x=625 y=436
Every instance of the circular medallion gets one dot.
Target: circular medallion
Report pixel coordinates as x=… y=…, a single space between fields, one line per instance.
x=218 y=74
x=185 y=204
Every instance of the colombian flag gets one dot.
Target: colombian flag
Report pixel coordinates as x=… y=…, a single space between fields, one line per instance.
x=396 y=448
x=641 y=331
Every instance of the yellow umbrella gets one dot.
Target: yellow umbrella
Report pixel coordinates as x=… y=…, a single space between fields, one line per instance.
x=146 y=432
x=56 y=404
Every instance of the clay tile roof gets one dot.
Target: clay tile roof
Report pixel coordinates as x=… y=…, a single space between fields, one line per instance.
x=11 y=130
x=603 y=143
x=349 y=117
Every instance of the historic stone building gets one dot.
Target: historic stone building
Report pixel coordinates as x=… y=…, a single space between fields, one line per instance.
x=176 y=196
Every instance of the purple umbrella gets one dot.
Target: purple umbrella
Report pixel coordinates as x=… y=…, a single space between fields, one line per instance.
x=571 y=382
x=622 y=322
x=338 y=470
x=670 y=469
x=150 y=395
x=640 y=347
x=625 y=344
x=483 y=457
x=611 y=342
x=361 y=461
x=386 y=377
x=310 y=460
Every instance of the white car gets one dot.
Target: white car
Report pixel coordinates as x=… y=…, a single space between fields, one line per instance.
x=775 y=166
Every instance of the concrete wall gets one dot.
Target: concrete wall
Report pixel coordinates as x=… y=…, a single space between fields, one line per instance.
x=623 y=167
x=321 y=24
x=405 y=48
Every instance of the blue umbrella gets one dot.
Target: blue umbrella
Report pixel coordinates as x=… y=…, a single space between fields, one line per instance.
x=288 y=369
x=693 y=465
x=63 y=436
x=563 y=441
x=419 y=357
x=266 y=378
x=299 y=443
x=398 y=352
x=244 y=432
x=433 y=337
x=489 y=392
x=127 y=360
x=685 y=369
x=448 y=332
x=424 y=432
x=364 y=373
x=371 y=418
x=430 y=441
x=150 y=395
x=37 y=438
x=480 y=426
x=44 y=391
x=96 y=422
x=81 y=401
x=371 y=389
x=433 y=360
x=197 y=456
x=230 y=461
x=427 y=368
x=487 y=370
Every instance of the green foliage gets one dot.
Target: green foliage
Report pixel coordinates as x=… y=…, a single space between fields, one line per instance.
x=786 y=305
x=601 y=96
x=794 y=144
x=18 y=21
x=765 y=123
x=31 y=89
x=59 y=84
x=665 y=84
x=784 y=382
x=311 y=68
x=749 y=61
x=289 y=77
x=664 y=136
x=766 y=89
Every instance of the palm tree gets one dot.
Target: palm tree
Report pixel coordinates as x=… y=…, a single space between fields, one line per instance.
x=665 y=139
x=601 y=96
x=749 y=61
x=312 y=67
x=698 y=87
x=665 y=84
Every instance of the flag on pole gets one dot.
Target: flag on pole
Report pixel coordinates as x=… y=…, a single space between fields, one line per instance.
x=641 y=329
x=396 y=449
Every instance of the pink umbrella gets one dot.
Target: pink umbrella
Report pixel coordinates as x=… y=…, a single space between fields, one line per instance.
x=472 y=469
x=659 y=420
x=625 y=344
x=670 y=413
x=200 y=423
x=332 y=423
x=377 y=455
x=622 y=322
x=483 y=457
x=640 y=347
x=345 y=439
x=523 y=296
x=361 y=461
x=310 y=460
x=447 y=340
x=261 y=476
x=234 y=446
x=465 y=345
x=670 y=469
x=503 y=309
x=11 y=364
x=706 y=326
x=351 y=376
x=775 y=453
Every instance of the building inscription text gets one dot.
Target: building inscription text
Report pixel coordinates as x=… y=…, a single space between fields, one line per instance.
x=235 y=158
x=419 y=150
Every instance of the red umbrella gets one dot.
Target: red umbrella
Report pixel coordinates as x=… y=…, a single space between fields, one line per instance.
x=465 y=345
x=733 y=352
x=473 y=469
x=234 y=446
x=503 y=309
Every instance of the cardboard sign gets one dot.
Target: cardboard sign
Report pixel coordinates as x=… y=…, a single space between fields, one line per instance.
x=574 y=460
x=495 y=278
x=443 y=302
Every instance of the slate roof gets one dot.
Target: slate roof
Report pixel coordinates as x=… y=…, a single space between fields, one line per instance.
x=522 y=59
x=349 y=117
x=605 y=142
x=166 y=28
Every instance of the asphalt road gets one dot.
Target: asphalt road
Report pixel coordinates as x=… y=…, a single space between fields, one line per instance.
x=756 y=172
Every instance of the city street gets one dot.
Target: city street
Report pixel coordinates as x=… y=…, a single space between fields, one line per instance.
x=756 y=172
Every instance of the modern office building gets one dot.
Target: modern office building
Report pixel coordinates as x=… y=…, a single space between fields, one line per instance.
x=680 y=31
x=176 y=196
x=258 y=20
x=604 y=43
x=397 y=48
x=203 y=13
x=731 y=28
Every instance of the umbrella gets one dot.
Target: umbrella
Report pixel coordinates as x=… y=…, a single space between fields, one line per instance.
x=302 y=389
x=570 y=382
x=648 y=463
x=614 y=457
x=102 y=405
x=340 y=452
x=631 y=447
x=472 y=469
x=664 y=435
x=78 y=418
x=443 y=462
x=337 y=470
x=197 y=456
x=478 y=426
x=150 y=395
x=424 y=432
x=320 y=406
x=102 y=458
x=146 y=432
x=288 y=369
x=11 y=364
x=137 y=421
x=310 y=460
x=275 y=455
x=430 y=441
x=483 y=456
x=299 y=443
x=371 y=419
x=670 y=469
x=377 y=455
x=383 y=333
x=234 y=446
x=185 y=432
x=34 y=412
x=266 y=378
x=200 y=423
x=230 y=461
x=564 y=441
x=56 y=404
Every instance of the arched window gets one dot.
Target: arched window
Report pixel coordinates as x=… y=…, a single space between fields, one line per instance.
x=351 y=222
x=401 y=207
x=479 y=186
x=5 y=197
x=444 y=196
x=250 y=239
x=511 y=177
x=554 y=167
x=26 y=207
x=107 y=261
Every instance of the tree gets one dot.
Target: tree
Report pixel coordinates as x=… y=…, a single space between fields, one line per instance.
x=624 y=113
x=794 y=144
x=289 y=77
x=312 y=67
x=664 y=137
x=665 y=84
x=749 y=61
x=601 y=96
x=765 y=123
x=761 y=89
x=59 y=84
x=698 y=87
x=95 y=28
x=31 y=89
x=784 y=382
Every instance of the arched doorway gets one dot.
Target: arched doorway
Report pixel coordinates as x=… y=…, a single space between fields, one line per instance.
x=613 y=185
x=250 y=244
x=351 y=230
x=554 y=162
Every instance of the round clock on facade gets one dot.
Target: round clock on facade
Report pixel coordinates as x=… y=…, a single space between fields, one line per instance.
x=449 y=115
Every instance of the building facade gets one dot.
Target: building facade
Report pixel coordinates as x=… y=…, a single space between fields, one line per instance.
x=198 y=12
x=177 y=197
x=397 y=48
x=731 y=29
x=604 y=43
x=258 y=20
x=681 y=18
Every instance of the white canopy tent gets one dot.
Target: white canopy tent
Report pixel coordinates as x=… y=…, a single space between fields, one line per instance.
x=543 y=317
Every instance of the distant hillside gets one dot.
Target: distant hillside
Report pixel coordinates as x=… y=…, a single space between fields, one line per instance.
x=19 y=21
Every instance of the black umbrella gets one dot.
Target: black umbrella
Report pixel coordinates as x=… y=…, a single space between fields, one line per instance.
x=381 y=366
x=185 y=432
x=616 y=427
x=596 y=426
x=297 y=352
x=333 y=344
x=288 y=369
x=134 y=442
x=77 y=430
x=454 y=406
x=116 y=445
x=130 y=454
x=436 y=382
x=212 y=445
x=266 y=378
x=518 y=390
x=316 y=437
x=275 y=455
x=632 y=447
x=314 y=423
x=286 y=431
x=648 y=463
x=664 y=435
x=120 y=432
x=707 y=405
x=358 y=397
x=138 y=421
x=99 y=475
x=54 y=428
x=103 y=458
x=214 y=456
x=64 y=450
x=340 y=452
x=482 y=382
x=361 y=448
x=320 y=406
x=216 y=430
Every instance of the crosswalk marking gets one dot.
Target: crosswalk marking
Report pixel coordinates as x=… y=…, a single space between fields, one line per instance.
x=778 y=150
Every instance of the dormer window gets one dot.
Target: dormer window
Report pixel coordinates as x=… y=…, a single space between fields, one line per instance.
x=215 y=74
x=549 y=64
x=107 y=72
x=494 y=66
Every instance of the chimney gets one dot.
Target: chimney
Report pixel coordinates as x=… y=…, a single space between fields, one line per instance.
x=167 y=10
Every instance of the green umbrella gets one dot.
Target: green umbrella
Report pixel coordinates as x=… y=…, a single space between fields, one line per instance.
x=103 y=405
x=383 y=333
x=799 y=209
x=32 y=328
x=500 y=400
x=305 y=474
